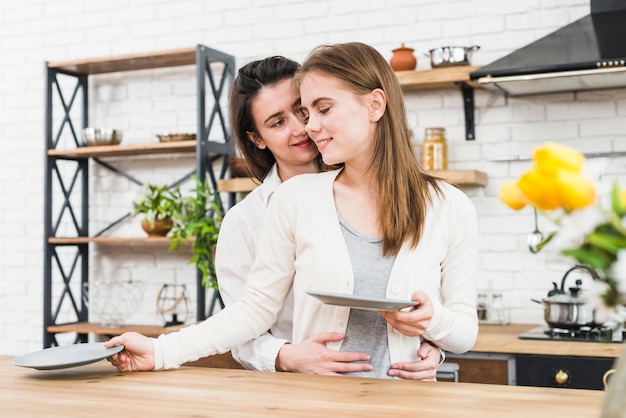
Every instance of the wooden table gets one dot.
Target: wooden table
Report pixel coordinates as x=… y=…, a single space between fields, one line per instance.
x=99 y=390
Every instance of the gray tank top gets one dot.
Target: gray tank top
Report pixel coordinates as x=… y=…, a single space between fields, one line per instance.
x=367 y=330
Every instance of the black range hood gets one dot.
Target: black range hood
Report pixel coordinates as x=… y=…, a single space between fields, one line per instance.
x=587 y=54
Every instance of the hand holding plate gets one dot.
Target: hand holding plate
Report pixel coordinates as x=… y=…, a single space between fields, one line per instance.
x=137 y=355
x=412 y=323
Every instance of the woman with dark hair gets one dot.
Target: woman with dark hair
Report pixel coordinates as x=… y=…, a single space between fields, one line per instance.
x=379 y=226
x=268 y=128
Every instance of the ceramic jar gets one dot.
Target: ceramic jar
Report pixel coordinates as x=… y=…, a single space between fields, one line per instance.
x=403 y=59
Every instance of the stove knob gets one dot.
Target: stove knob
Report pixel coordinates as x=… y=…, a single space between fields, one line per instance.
x=561 y=377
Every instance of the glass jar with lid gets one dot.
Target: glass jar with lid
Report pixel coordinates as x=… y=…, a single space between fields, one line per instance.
x=500 y=312
x=435 y=149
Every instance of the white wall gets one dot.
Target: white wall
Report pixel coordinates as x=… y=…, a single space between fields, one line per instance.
x=35 y=31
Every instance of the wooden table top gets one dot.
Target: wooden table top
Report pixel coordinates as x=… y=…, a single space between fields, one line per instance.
x=99 y=390
x=505 y=339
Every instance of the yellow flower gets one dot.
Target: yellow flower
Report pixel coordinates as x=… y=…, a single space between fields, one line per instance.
x=512 y=196
x=551 y=158
x=575 y=190
x=555 y=182
x=540 y=189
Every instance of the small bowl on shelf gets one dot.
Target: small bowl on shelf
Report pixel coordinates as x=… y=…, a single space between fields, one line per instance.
x=101 y=136
x=172 y=137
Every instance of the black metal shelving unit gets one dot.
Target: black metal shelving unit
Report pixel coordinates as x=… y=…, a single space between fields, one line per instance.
x=66 y=219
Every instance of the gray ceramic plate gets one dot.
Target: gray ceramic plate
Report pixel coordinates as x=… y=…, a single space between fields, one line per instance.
x=362 y=302
x=65 y=356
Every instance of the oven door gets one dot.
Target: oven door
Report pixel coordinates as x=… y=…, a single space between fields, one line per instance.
x=562 y=371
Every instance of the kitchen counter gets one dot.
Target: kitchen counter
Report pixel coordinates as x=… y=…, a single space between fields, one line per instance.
x=99 y=390
x=504 y=339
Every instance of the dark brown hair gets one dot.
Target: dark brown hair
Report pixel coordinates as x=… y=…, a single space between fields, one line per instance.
x=404 y=189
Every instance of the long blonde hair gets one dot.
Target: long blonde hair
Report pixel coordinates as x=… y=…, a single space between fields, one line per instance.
x=404 y=189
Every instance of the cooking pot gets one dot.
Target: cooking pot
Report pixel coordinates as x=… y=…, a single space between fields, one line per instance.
x=567 y=310
x=447 y=56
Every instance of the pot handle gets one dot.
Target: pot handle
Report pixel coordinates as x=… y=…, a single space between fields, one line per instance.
x=590 y=270
x=473 y=48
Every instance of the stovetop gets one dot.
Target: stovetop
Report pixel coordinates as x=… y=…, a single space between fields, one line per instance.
x=586 y=334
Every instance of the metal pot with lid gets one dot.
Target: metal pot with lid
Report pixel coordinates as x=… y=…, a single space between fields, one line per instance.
x=568 y=310
x=447 y=56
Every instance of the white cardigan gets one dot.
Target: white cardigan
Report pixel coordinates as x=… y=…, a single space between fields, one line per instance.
x=302 y=244
x=235 y=253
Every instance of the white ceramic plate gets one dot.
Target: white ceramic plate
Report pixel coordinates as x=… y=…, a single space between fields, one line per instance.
x=362 y=302
x=66 y=356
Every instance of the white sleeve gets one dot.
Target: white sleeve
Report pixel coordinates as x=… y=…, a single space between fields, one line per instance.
x=235 y=253
x=268 y=285
x=236 y=324
x=454 y=325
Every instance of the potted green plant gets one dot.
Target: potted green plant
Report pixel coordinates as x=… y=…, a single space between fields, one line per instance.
x=197 y=220
x=157 y=207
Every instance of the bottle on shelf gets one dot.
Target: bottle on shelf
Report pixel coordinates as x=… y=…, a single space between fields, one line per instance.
x=482 y=307
x=498 y=310
x=435 y=149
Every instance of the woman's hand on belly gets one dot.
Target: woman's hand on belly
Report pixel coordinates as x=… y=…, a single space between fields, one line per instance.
x=424 y=369
x=312 y=357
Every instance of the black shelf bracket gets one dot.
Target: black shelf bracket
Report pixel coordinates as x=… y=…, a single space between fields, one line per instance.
x=468 y=105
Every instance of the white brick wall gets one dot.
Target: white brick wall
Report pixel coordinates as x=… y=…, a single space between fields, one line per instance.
x=144 y=103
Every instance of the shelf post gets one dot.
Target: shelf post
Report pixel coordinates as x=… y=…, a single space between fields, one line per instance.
x=209 y=122
x=468 y=105
x=78 y=183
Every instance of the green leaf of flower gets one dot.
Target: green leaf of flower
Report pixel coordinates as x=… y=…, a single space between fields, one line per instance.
x=609 y=243
x=590 y=256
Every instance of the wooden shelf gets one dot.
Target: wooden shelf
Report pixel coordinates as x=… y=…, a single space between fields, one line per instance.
x=108 y=240
x=130 y=62
x=456 y=177
x=462 y=177
x=126 y=150
x=238 y=184
x=437 y=78
x=95 y=328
